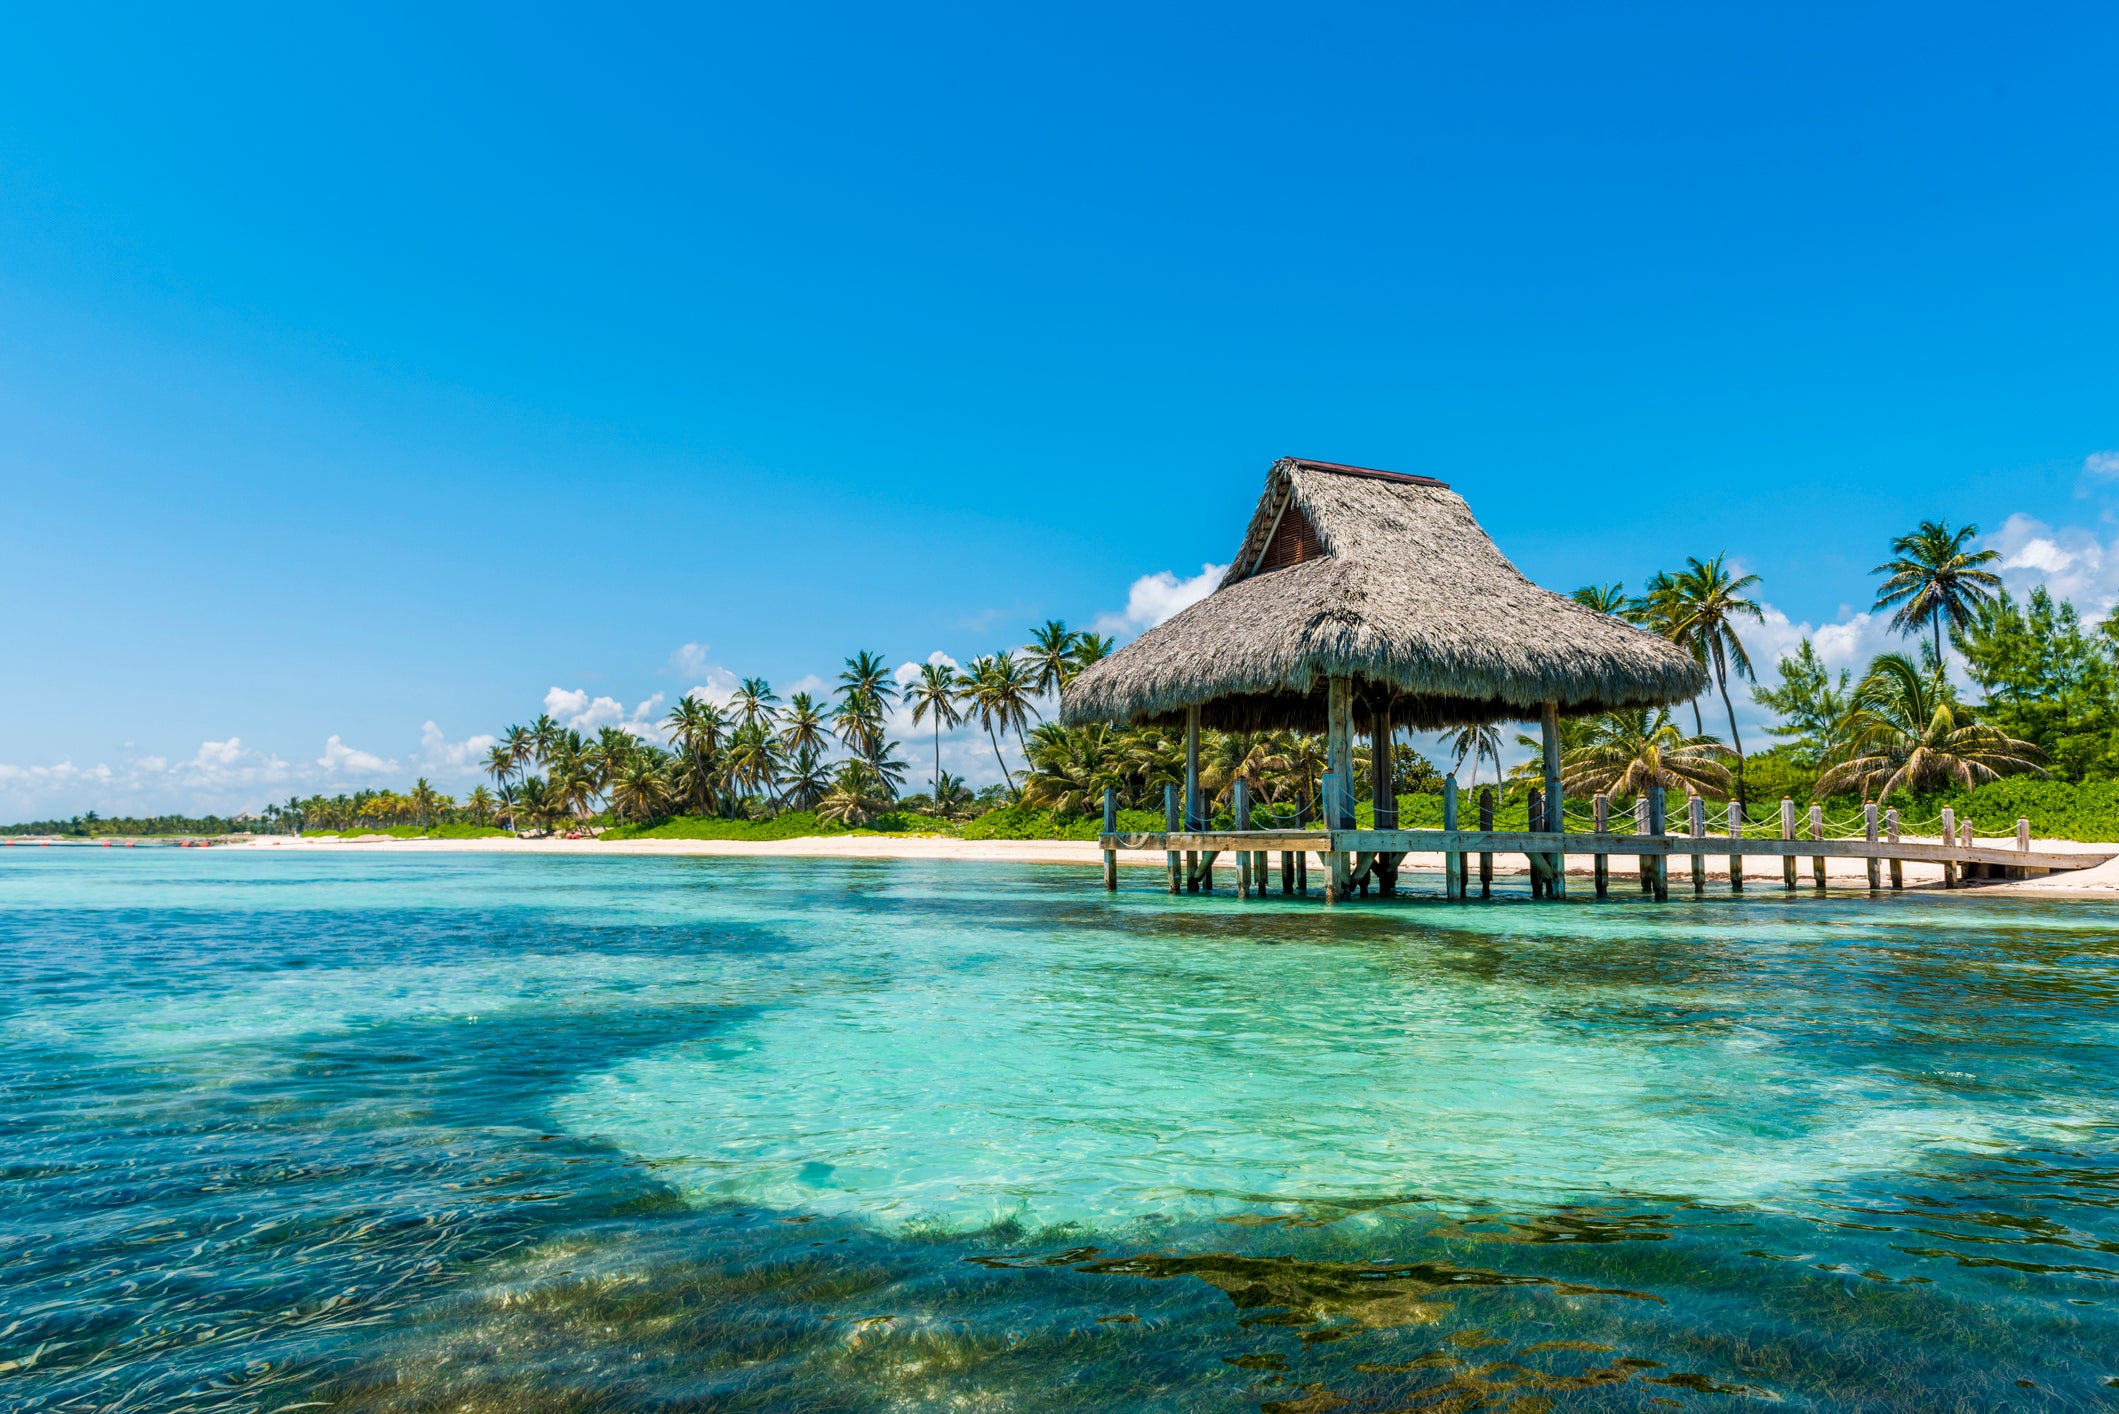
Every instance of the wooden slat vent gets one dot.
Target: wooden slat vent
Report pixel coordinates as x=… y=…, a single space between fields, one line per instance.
x=1294 y=541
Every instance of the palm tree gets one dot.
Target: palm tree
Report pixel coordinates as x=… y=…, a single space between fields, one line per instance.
x=695 y=727
x=997 y=689
x=753 y=702
x=640 y=789
x=801 y=726
x=1933 y=580
x=1069 y=768
x=1632 y=749
x=1255 y=758
x=544 y=734
x=1659 y=611
x=424 y=801
x=479 y=804
x=865 y=692
x=1907 y=735
x=1050 y=656
x=500 y=762
x=1605 y=599
x=934 y=693
x=857 y=796
x=753 y=760
x=521 y=745
x=1709 y=602
x=807 y=779
x=1480 y=739
x=952 y=799
x=1090 y=649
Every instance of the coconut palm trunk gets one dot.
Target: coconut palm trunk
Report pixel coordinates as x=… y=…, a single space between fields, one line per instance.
x=1722 y=678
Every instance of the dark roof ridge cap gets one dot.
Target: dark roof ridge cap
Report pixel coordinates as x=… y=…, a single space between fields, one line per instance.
x=1405 y=478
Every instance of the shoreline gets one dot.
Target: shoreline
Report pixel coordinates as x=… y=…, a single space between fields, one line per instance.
x=2102 y=881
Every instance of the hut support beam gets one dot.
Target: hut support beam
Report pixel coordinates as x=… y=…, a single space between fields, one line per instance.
x=1339 y=764
x=1383 y=795
x=1486 y=822
x=1555 y=821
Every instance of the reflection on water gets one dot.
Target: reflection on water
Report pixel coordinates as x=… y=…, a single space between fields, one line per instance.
x=389 y=1133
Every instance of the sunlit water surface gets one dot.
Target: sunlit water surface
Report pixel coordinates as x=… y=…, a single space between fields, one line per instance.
x=471 y=1133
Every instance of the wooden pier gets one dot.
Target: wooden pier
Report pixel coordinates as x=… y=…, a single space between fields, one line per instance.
x=1349 y=859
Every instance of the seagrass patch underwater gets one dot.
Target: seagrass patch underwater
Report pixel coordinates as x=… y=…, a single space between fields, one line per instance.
x=454 y=1131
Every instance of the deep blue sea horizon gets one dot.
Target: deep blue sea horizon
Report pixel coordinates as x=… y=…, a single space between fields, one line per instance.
x=472 y=1132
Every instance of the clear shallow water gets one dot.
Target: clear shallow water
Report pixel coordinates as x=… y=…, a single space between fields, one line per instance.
x=378 y=1132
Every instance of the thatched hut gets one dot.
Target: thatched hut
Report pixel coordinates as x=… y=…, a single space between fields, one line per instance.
x=1367 y=594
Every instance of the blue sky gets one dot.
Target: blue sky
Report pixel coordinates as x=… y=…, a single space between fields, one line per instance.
x=368 y=371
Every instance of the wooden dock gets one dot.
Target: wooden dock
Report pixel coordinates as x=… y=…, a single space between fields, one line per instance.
x=1349 y=860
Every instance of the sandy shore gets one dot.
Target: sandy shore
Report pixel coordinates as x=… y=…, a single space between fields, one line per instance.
x=1758 y=873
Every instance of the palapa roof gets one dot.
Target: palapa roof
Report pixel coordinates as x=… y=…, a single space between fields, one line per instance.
x=1388 y=580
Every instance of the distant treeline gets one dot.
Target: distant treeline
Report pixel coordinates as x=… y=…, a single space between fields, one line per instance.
x=92 y=824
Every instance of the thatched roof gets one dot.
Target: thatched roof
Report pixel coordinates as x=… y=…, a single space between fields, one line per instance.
x=1388 y=580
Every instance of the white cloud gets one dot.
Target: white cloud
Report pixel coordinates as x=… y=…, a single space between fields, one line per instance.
x=2104 y=466
x=575 y=709
x=1154 y=598
x=689 y=661
x=2071 y=562
x=909 y=672
x=215 y=754
x=439 y=756
x=340 y=759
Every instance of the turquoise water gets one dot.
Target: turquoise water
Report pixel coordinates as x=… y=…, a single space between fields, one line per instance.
x=379 y=1132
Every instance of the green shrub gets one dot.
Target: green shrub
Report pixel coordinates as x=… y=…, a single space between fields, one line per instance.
x=794 y=824
x=409 y=832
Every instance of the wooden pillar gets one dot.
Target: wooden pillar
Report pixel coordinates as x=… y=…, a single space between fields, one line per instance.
x=1110 y=828
x=1868 y=830
x=1555 y=815
x=1533 y=817
x=2023 y=834
x=1206 y=869
x=1171 y=856
x=1383 y=793
x=1949 y=837
x=1452 y=860
x=1339 y=764
x=1696 y=812
x=1817 y=832
x=1898 y=867
x=1192 y=820
x=1787 y=833
x=1658 y=826
x=1736 y=832
x=1241 y=791
x=1486 y=822
x=1602 y=805
x=1302 y=871
x=1640 y=827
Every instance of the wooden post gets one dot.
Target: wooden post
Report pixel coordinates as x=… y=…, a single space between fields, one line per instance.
x=1383 y=794
x=1603 y=861
x=1736 y=832
x=1533 y=814
x=1339 y=764
x=1302 y=872
x=1949 y=836
x=1328 y=788
x=1898 y=868
x=1698 y=812
x=1640 y=827
x=1555 y=815
x=1452 y=860
x=1110 y=828
x=1787 y=833
x=1192 y=820
x=1868 y=830
x=1817 y=832
x=1660 y=863
x=2023 y=833
x=1170 y=818
x=1486 y=822
x=1241 y=801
